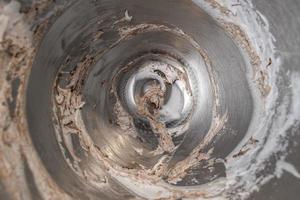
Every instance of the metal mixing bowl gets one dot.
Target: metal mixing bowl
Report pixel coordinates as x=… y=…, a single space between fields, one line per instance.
x=149 y=99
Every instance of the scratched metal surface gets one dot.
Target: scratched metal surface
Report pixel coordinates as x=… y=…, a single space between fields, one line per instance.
x=123 y=86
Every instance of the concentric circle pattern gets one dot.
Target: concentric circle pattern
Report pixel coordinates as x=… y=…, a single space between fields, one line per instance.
x=143 y=88
x=146 y=99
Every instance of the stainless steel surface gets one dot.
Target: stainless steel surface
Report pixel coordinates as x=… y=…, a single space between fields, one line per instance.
x=160 y=99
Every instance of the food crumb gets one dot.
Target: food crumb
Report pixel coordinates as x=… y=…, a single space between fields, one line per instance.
x=127 y=16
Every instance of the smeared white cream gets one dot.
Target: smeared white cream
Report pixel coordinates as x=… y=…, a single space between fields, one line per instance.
x=263 y=127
